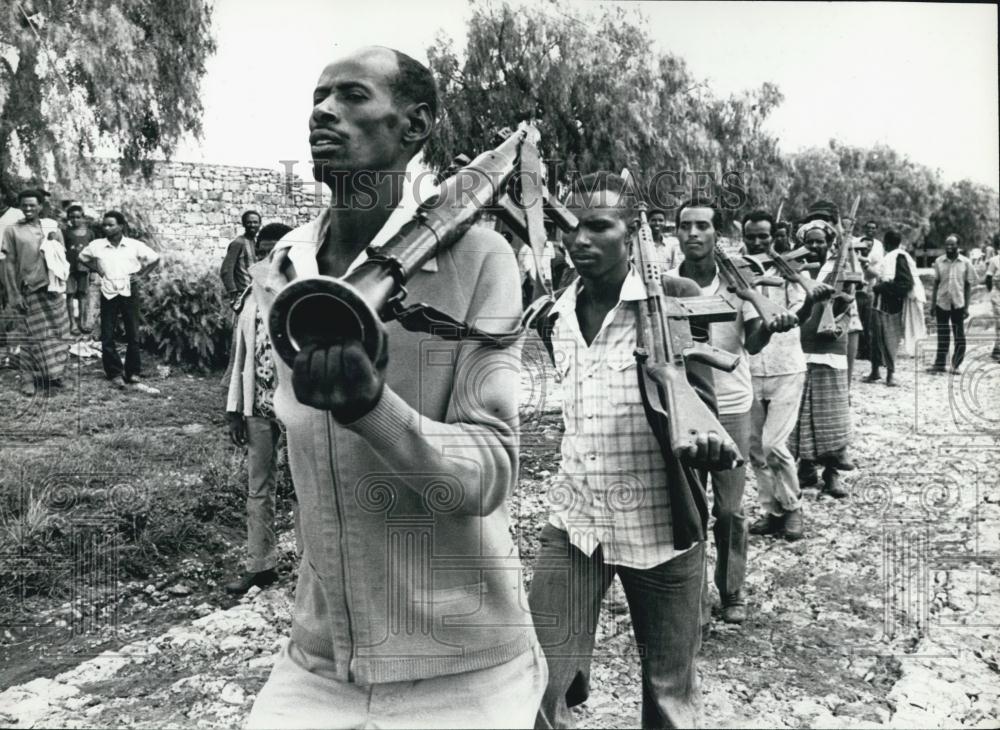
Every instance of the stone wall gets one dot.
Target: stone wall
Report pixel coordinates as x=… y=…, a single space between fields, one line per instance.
x=190 y=206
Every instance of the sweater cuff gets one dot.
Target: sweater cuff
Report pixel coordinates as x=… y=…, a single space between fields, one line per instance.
x=386 y=423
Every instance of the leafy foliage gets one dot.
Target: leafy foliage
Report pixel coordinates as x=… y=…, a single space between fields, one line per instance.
x=603 y=97
x=969 y=210
x=599 y=93
x=894 y=190
x=187 y=319
x=78 y=76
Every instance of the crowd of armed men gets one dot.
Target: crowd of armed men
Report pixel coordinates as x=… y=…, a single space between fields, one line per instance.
x=410 y=608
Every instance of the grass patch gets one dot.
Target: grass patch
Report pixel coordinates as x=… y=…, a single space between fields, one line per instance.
x=124 y=487
x=112 y=504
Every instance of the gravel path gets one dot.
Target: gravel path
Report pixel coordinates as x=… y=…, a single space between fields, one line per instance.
x=885 y=616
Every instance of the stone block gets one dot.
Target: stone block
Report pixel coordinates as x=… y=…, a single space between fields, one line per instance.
x=181 y=183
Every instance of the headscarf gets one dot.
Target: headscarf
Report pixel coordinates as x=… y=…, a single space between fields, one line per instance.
x=828 y=230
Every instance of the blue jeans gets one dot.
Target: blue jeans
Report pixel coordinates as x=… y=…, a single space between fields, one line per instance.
x=664 y=602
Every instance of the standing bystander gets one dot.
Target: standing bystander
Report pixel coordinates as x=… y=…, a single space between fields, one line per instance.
x=119 y=260
x=27 y=280
x=77 y=235
x=954 y=278
x=235 y=270
x=252 y=423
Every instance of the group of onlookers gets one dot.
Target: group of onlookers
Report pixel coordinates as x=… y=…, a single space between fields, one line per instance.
x=53 y=275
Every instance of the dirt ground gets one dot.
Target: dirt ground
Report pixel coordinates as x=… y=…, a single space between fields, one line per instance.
x=886 y=614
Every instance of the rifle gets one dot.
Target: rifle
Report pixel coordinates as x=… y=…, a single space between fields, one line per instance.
x=731 y=273
x=788 y=265
x=843 y=277
x=326 y=310
x=673 y=409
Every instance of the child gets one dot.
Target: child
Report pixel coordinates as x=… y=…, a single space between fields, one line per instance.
x=77 y=236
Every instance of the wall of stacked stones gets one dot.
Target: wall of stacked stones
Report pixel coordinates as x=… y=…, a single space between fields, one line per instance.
x=194 y=207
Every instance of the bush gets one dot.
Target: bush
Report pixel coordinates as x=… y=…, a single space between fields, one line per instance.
x=187 y=320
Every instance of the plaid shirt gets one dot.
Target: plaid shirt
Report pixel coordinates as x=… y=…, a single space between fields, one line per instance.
x=611 y=488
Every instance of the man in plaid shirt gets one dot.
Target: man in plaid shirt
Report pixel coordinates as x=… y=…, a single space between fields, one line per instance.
x=610 y=503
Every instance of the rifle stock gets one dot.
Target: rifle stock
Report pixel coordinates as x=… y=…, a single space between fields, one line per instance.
x=830 y=324
x=729 y=270
x=785 y=265
x=676 y=413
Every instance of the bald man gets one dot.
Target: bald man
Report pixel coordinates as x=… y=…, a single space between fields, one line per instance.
x=409 y=609
x=954 y=277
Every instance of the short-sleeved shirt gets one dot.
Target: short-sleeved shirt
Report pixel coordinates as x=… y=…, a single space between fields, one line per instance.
x=733 y=391
x=119 y=263
x=22 y=245
x=952 y=277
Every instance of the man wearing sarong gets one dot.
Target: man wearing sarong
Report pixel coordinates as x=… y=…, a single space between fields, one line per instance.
x=823 y=433
x=26 y=278
x=896 y=278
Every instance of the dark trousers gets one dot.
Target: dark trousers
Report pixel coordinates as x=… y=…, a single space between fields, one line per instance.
x=730 y=528
x=948 y=320
x=129 y=310
x=865 y=345
x=565 y=600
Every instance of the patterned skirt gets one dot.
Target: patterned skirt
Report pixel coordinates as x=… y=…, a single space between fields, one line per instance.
x=824 y=425
x=47 y=328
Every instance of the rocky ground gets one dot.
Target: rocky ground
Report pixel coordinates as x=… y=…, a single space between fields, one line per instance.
x=886 y=615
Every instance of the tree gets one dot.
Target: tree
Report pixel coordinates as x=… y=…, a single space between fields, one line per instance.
x=82 y=75
x=969 y=210
x=600 y=94
x=894 y=190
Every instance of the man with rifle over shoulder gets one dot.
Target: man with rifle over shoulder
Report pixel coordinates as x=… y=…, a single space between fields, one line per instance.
x=698 y=223
x=638 y=408
x=402 y=446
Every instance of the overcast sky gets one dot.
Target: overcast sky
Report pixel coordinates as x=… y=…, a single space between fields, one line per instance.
x=920 y=77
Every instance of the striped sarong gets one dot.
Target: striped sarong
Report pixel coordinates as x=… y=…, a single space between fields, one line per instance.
x=47 y=328
x=886 y=333
x=824 y=425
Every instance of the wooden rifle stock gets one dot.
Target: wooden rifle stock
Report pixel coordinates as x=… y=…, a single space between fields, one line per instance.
x=674 y=410
x=843 y=278
x=789 y=266
x=730 y=272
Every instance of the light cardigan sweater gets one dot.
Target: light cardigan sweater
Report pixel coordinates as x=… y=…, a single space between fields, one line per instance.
x=243 y=374
x=409 y=570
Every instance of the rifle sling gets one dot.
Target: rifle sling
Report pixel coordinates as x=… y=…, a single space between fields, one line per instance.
x=425 y=318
